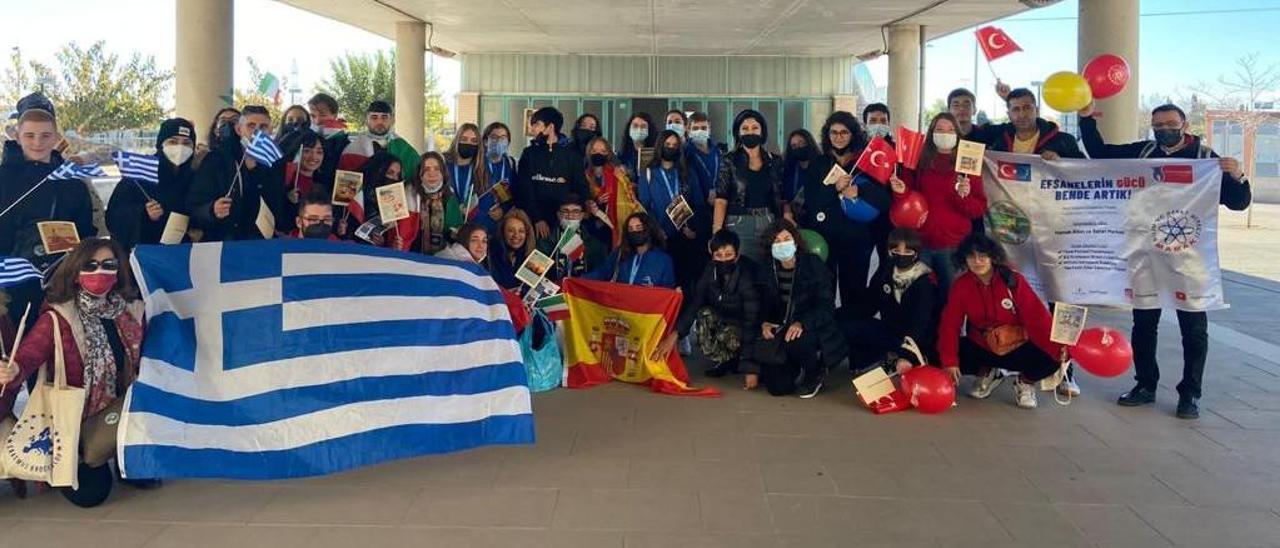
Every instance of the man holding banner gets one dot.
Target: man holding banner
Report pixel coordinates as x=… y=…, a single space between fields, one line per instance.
x=1169 y=124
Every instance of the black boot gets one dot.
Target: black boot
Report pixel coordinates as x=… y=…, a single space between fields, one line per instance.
x=1188 y=407
x=1140 y=395
x=722 y=369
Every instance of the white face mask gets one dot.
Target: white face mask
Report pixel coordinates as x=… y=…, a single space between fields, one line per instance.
x=570 y=224
x=639 y=134
x=432 y=188
x=676 y=127
x=177 y=154
x=700 y=136
x=878 y=129
x=944 y=141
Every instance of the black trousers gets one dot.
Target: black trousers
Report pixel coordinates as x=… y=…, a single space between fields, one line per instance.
x=1028 y=360
x=802 y=355
x=1195 y=348
x=850 y=261
x=869 y=341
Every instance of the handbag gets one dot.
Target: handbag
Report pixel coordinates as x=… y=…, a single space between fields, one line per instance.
x=98 y=434
x=542 y=364
x=44 y=442
x=1003 y=339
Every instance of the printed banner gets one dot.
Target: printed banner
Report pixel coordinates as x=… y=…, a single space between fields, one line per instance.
x=1140 y=233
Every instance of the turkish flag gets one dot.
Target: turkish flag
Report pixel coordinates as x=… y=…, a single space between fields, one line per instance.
x=878 y=160
x=910 y=144
x=995 y=43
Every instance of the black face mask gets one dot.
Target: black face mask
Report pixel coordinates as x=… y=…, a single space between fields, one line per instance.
x=318 y=231
x=903 y=262
x=670 y=154
x=227 y=132
x=839 y=150
x=467 y=151
x=637 y=239
x=802 y=154
x=583 y=136
x=1168 y=137
x=751 y=140
x=296 y=126
x=599 y=159
x=540 y=139
x=724 y=268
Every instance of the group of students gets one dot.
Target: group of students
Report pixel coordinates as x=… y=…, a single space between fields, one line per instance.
x=757 y=301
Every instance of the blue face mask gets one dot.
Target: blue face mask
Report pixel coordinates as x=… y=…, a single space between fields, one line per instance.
x=676 y=127
x=496 y=149
x=639 y=134
x=784 y=251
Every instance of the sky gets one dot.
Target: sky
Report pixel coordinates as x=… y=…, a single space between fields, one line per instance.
x=1181 y=41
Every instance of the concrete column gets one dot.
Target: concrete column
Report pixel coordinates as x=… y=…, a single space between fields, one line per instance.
x=411 y=81
x=1111 y=26
x=904 y=75
x=204 y=60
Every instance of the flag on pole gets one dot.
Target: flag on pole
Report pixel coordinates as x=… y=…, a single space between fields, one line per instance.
x=878 y=160
x=995 y=43
x=614 y=331
x=291 y=357
x=263 y=149
x=909 y=145
x=269 y=86
x=15 y=270
x=70 y=170
x=142 y=167
x=555 y=307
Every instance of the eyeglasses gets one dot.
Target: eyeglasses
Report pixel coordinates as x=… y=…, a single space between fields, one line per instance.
x=840 y=133
x=315 y=220
x=110 y=265
x=570 y=212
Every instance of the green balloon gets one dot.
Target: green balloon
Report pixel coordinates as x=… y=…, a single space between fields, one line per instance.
x=817 y=244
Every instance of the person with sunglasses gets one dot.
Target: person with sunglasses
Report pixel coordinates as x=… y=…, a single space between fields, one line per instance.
x=92 y=297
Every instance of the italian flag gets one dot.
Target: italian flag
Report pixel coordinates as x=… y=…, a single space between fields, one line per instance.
x=571 y=245
x=614 y=331
x=555 y=307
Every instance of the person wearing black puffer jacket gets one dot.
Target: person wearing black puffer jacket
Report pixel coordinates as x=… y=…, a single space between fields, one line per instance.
x=905 y=293
x=138 y=210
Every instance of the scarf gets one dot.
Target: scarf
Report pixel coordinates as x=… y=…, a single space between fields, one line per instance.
x=902 y=279
x=100 y=366
x=433 y=228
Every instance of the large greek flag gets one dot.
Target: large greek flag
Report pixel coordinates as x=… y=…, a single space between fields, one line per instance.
x=287 y=358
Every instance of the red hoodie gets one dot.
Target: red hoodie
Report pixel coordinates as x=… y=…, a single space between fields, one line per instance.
x=987 y=306
x=950 y=216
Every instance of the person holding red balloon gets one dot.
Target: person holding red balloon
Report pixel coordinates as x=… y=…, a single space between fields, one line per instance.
x=1169 y=126
x=1006 y=322
x=953 y=199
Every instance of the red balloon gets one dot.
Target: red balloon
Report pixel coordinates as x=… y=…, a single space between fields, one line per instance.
x=910 y=212
x=1107 y=75
x=929 y=389
x=1102 y=351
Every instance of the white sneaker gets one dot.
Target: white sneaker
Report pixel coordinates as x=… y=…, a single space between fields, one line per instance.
x=1025 y=395
x=1069 y=388
x=986 y=384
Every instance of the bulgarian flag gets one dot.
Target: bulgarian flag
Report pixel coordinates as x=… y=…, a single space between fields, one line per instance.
x=615 y=328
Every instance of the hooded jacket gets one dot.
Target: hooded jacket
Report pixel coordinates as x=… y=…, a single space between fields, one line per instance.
x=545 y=175
x=914 y=315
x=980 y=307
x=53 y=201
x=1000 y=138
x=217 y=178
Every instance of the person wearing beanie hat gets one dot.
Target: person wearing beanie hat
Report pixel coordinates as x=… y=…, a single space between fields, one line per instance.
x=139 y=210
x=748 y=195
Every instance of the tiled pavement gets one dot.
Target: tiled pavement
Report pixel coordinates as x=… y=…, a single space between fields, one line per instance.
x=618 y=467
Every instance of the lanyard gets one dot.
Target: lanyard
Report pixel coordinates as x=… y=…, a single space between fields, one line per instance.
x=502 y=175
x=795 y=181
x=672 y=188
x=709 y=167
x=464 y=189
x=635 y=268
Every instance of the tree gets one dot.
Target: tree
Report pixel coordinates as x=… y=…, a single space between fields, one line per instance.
x=93 y=90
x=356 y=80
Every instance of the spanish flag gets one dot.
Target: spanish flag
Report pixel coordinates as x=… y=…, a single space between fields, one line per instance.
x=613 y=330
x=622 y=202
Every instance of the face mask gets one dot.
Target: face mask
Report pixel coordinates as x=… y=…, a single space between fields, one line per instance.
x=802 y=154
x=670 y=154
x=318 y=231
x=295 y=126
x=432 y=188
x=724 y=268
x=1168 y=137
x=570 y=224
x=496 y=149
x=467 y=151
x=676 y=127
x=227 y=132
x=700 y=136
x=599 y=159
x=878 y=129
x=945 y=141
x=540 y=139
x=783 y=251
x=637 y=239
x=177 y=154
x=639 y=134
x=584 y=136
x=98 y=283
x=751 y=140
x=903 y=262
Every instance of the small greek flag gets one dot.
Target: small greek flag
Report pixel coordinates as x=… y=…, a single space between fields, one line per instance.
x=15 y=270
x=263 y=149
x=72 y=170
x=142 y=167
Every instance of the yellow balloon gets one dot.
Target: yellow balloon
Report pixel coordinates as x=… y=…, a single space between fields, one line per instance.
x=1067 y=92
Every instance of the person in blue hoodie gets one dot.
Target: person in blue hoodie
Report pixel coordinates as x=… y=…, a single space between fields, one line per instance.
x=640 y=135
x=658 y=186
x=640 y=259
x=703 y=156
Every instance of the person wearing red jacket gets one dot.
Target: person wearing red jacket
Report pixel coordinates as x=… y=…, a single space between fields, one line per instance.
x=996 y=306
x=955 y=199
